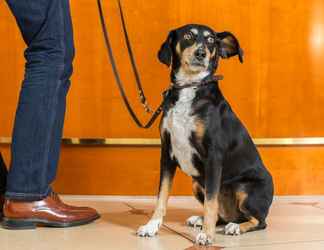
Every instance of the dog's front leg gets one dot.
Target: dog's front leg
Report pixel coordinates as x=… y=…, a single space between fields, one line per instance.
x=213 y=170
x=168 y=167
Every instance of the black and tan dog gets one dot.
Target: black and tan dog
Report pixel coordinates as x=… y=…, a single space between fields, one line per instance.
x=201 y=134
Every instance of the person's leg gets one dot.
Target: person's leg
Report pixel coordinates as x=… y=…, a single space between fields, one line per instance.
x=47 y=31
x=3 y=178
x=55 y=144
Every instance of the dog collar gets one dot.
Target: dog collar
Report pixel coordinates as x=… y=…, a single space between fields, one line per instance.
x=204 y=82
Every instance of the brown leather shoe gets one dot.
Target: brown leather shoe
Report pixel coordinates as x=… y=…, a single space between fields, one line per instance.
x=50 y=212
x=74 y=208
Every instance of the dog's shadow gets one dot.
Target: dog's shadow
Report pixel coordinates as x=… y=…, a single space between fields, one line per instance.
x=134 y=218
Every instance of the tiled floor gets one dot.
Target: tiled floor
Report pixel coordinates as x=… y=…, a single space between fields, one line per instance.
x=294 y=223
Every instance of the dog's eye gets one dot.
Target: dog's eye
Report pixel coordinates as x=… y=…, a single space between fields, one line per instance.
x=210 y=40
x=188 y=36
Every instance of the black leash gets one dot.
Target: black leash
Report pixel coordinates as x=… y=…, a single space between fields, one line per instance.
x=132 y=59
x=118 y=80
x=174 y=86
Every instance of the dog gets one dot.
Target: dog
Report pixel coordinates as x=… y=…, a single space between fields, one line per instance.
x=201 y=134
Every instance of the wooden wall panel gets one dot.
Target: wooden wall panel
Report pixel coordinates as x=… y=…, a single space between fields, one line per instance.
x=135 y=170
x=277 y=92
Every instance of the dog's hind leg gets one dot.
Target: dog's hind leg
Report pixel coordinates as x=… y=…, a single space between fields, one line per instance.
x=198 y=220
x=198 y=192
x=253 y=219
x=168 y=168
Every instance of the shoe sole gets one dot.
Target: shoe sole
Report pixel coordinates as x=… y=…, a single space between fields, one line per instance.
x=24 y=224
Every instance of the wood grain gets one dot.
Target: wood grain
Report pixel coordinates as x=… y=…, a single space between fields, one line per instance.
x=135 y=170
x=277 y=92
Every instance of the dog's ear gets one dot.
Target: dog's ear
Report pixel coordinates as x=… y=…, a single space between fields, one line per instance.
x=229 y=45
x=165 y=53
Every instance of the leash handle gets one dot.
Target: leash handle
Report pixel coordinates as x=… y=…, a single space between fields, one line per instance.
x=117 y=77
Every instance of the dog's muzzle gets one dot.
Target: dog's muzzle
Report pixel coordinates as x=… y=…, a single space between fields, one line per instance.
x=200 y=54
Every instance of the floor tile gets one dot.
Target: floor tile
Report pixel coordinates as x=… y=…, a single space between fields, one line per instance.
x=294 y=223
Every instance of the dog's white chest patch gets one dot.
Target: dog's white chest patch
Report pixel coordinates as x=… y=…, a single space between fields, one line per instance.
x=180 y=124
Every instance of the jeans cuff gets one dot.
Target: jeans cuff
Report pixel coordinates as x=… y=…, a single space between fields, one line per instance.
x=27 y=196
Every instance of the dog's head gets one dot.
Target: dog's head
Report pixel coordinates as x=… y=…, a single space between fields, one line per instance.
x=193 y=51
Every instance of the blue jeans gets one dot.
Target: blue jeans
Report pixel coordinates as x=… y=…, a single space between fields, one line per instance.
x=3 y=176
x=46 y=28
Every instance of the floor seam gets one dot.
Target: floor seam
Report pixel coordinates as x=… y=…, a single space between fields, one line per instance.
x=184 y=236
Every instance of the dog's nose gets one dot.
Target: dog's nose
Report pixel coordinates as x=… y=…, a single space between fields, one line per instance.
x=200 y=54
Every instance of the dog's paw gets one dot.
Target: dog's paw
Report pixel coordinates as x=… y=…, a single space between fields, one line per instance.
x=195 y=221
x=204 y=239
x=150 y=229
x=232 y=229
